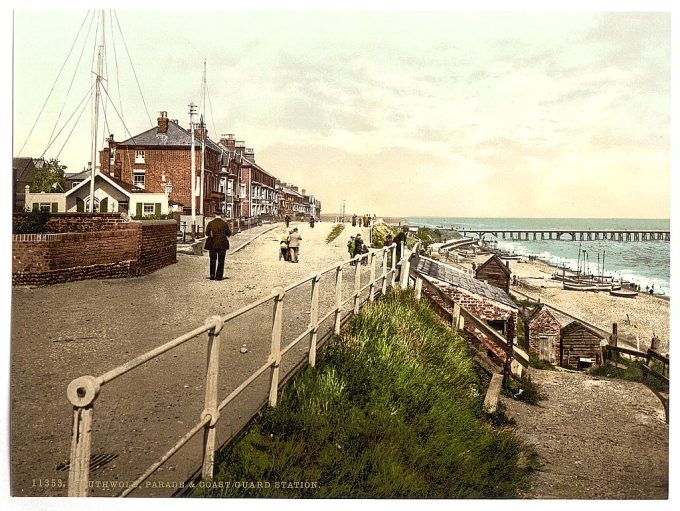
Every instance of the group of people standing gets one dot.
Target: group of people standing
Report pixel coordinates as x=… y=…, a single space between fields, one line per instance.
x=356 y=246
x=364 y=221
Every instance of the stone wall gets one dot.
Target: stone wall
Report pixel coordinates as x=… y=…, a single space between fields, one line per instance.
x=127 y=250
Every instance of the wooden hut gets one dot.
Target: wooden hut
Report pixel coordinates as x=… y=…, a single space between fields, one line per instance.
x=495 y=272
x=580 y=346
x=542 y=334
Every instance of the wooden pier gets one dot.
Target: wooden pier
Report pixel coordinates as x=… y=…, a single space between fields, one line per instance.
x=570 y=234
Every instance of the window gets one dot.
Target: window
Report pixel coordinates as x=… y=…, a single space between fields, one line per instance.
x=230 y=187
x=243 y=190
x=148 y=209
x=46 y=207
x=222 y=183
x=138 y=178
x=139 y=156
x=113 y=155
x=75 y=183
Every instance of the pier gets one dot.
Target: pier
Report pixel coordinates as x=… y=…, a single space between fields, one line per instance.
x=570 y=234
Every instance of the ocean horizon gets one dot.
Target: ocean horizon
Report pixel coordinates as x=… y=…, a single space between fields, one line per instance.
x=646 y=263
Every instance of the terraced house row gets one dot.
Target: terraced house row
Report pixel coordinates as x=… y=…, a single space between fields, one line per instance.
x=150 y=173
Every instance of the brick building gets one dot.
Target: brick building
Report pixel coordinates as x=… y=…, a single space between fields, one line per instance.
x=542 y=334
x=159 y=160
x=484 y=301
x=495 y=272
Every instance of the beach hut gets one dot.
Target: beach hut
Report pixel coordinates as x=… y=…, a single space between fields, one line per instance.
x=495 y=272
x=580 y=346
x=542 y=334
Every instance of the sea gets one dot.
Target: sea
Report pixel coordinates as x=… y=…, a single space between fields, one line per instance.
x=646 y=263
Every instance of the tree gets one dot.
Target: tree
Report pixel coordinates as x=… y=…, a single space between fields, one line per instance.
x=49 y=177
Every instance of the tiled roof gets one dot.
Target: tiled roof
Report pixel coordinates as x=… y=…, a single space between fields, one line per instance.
x=24 y=168
x=463 y=281
x=175 y=136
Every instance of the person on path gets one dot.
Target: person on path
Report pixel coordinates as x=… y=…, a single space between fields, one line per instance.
x=283 y=247
x=388 y=243
x=400 y=239
x=287 y=220
x=364 y=250
x=354 y=220
x=350 y=247
x=358 y=244
x=218 y=232
x=311 y=222
x=294 y=245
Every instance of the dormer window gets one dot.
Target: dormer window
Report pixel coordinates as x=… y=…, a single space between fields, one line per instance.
x=139 y=156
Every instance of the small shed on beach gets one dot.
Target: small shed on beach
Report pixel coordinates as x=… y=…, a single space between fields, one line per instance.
x=580 y=345
x=495 y=272
x=542 y=334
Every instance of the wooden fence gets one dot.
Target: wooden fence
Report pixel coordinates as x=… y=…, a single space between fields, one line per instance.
x=82 y=392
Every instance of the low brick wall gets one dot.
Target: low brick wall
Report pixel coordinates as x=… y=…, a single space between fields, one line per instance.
x=129 y=249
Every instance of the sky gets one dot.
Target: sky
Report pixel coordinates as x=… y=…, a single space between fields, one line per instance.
x=409 y=113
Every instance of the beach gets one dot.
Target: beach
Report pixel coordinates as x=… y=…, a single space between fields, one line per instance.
x=637 y=318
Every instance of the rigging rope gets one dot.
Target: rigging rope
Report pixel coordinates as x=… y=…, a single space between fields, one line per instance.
x=50 y=140
x=55 y=82
x=133 y=69
x=87 y=94
x=115 y=60
x=212 y=117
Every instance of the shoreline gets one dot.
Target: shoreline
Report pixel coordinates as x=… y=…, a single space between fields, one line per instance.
x=638 y=319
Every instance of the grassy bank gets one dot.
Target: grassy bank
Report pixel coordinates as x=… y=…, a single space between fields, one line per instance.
x=627 y=369
x=335 y=232
x=391 y=410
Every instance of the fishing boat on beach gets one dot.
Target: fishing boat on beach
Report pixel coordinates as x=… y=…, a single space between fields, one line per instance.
x=623 y=293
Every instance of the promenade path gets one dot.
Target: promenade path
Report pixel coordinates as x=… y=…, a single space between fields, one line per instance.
x=68 y=330
x=597 y=438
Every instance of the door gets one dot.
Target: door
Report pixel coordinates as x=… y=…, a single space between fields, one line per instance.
x=546 y=348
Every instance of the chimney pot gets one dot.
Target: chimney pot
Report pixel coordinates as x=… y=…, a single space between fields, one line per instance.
x=163 y=122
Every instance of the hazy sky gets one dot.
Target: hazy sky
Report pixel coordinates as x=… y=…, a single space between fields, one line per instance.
x=403 y=113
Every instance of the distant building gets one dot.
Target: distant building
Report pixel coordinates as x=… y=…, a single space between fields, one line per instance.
x=542 y=334
x=495 y=272
x=580 y=346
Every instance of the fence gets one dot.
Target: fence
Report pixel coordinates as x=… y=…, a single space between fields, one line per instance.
x=82 y=392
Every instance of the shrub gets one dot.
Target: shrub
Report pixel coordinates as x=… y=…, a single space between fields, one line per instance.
x=536 y=362
x=31 y=222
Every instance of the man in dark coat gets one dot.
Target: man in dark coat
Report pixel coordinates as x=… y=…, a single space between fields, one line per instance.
x=218 y=233
x=400 y=239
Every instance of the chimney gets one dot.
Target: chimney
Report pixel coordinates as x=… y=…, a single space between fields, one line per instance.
x=239 y=146
x=249 y=153
x=200 y=130
x=163 y=123
x=228 y=140
x=303 y=192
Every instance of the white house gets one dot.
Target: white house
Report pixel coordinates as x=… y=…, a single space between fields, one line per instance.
x=110 y=196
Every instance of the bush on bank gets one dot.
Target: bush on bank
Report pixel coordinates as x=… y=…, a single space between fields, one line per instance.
x=392 y=410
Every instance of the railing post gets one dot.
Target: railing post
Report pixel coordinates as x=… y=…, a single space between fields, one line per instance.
x=314 y=320
x=419 y=287
x=211 y=385
x=371 y=289
x=405 y=269
x=275 y=356
x=393 y=276
x=357 y=284
x=455 y=318
x=384 y=271
x=81 y=392
x=338 y=299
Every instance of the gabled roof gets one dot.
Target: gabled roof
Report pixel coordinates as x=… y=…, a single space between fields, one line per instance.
x=463 y=281
x=578 y=324
x=122 y=186
x=541 y=306
x=498 y=261
x=24 y=169
x=76 y=176
x=175 y=136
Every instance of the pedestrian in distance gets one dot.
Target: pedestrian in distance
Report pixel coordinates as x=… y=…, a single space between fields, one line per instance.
x=287 y=220
x=354 y=220
x=294 y=245
x=358 y=244
x=218 y=232
x=311 y=222
x=350 y=248
x=364 y=250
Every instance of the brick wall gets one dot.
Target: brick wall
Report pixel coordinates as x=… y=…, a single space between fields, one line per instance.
x=138 y=249
x=86 y=222
x=543 y=323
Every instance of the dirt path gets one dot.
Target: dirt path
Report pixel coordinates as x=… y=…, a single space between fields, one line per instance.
x=64 y=331
x=597 y=438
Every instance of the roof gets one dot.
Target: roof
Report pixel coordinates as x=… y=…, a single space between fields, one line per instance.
x=124 y=187
x=539 y=308
x=175 y=136
x=578 y=324
x=24 y=167
x=463 y=281
x=71 y=176
x=498 y=261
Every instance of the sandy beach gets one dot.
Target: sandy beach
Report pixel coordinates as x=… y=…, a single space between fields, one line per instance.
x=638 y=319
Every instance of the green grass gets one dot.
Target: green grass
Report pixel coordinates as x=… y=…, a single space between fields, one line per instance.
x=392 y=410
x=335 y=232
x=536 y=362
x=631 y=370
x=380 y=232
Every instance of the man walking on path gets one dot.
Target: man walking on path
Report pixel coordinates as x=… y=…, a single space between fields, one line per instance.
x=294 y=245
x=218 y=233
x=287 y=219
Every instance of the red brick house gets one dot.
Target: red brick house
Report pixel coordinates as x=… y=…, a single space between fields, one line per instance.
x=159 y=160
x=495 y=272
x=542 y=334
x=484 y=301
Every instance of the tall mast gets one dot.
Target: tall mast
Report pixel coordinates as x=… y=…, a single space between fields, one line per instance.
x=203 y=140
x=96 y=126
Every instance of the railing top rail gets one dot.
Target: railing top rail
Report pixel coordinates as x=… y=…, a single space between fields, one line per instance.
x=658 y=356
